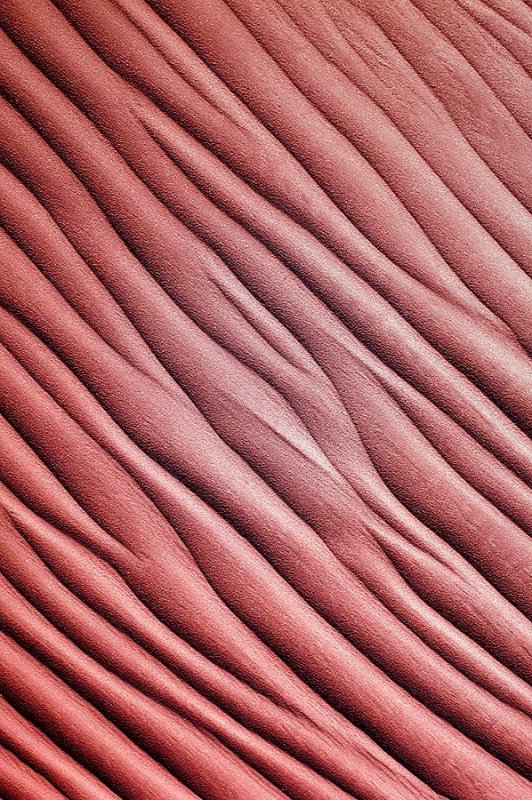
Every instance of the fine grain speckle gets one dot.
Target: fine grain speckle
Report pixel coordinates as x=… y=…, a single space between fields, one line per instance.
x=266 y=400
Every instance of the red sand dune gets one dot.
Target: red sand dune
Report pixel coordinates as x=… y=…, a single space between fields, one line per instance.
x=265 y=324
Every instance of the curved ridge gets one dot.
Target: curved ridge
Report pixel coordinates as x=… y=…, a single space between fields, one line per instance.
x=265 y=457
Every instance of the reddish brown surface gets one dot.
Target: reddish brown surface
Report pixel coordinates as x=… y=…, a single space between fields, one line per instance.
x=265 y=324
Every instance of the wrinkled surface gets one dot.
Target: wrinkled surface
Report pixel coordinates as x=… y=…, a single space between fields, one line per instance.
x=265 y=324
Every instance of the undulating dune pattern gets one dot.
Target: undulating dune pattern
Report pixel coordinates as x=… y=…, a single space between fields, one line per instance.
x=266 y=400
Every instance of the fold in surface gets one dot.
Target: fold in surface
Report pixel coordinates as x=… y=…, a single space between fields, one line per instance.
x=265 y=407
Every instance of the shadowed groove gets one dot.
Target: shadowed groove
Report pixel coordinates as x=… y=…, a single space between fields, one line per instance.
x=265 y=466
